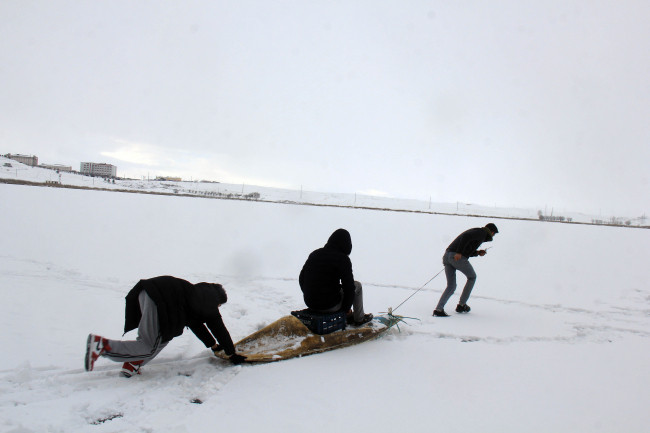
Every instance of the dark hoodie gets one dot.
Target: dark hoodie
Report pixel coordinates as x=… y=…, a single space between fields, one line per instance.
x=179 y=304
x=326 y=277
x=467 y=243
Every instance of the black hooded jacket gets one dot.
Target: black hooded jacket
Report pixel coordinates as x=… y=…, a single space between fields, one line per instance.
x=468 y=242
x=327 y=273
x=179 y=304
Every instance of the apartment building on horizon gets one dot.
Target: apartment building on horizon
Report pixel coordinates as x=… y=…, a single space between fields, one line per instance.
x=98 y=169
x=23 y=159
x=57 y=167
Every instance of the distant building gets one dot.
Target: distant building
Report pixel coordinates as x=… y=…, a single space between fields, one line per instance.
x=98 y=169
x=57 y=167
x=169 y=178
x=24 y=159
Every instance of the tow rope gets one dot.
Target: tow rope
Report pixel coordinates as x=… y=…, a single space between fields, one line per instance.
x=393 y=319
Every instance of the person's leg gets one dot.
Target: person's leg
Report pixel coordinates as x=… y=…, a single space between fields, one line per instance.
x=450 y=273
x=149 y=341
x=357 y=306
x=467 y=269
x=333 y=309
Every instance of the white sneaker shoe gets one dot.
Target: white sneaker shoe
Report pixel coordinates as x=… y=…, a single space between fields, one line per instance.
x=131 y=368
x=95 y=347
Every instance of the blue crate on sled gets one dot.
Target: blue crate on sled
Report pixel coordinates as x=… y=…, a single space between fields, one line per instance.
x=321 y=324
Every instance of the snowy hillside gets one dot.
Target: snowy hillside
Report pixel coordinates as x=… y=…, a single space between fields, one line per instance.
x=558 y=338
x=23 y=173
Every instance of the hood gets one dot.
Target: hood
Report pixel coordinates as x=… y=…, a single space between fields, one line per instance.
x=341 y=241
x=489 y=235
x=206 y=299
x=213 y=292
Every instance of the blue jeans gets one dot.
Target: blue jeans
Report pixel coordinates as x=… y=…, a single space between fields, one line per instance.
x=451 y=266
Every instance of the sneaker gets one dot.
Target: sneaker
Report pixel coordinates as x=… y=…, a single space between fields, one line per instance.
x=365 y=319
x=95 y=347
x=462 y=308
x=131 y=368
x=440 y=313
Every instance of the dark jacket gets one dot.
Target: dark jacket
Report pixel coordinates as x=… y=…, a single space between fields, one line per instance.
x=179 y=304
x=468 y=242
x=326 y=277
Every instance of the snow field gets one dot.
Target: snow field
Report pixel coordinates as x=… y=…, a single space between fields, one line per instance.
x=558 y=336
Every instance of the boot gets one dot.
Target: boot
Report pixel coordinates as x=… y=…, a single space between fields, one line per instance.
x=440 y=313
x=365 y=319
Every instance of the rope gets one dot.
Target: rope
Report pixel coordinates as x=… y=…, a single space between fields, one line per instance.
x=390 y=310
x=393 y=319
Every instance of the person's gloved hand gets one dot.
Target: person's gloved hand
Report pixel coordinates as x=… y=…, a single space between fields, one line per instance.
x=237 y=359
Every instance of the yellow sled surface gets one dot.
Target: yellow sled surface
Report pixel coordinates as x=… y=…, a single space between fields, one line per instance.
x=288 y=337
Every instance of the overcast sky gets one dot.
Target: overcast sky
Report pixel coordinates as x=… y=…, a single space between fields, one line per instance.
x=506 y=103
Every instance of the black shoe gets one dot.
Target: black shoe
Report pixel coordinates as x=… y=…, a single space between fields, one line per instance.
x=440 y=313
x=462 y=308
x=365 y=319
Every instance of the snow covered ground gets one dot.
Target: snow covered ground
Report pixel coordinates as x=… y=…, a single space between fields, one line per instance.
x=558 y=338
x=21 y=172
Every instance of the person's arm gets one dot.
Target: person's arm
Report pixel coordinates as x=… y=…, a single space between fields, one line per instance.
x=219 y=330
x=202 y=334
x=223 y=342
x=470 y=243
x=347 y=283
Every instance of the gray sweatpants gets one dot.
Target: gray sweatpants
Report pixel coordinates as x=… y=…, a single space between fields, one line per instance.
x=148 y=344
x=357 y=304
x=451 y=265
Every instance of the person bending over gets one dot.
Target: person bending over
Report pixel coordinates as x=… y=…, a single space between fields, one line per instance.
x=160 y=308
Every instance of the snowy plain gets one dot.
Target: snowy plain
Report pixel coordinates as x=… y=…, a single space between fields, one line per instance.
x=558 y=338
x=11 y=170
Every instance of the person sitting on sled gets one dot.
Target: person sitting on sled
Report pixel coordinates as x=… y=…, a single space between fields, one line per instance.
x=327 y=282
x=161 y=308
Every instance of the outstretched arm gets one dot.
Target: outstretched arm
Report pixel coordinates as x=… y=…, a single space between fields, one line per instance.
x=218 y=329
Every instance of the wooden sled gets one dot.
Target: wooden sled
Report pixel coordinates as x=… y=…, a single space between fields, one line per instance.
x=288 y=338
